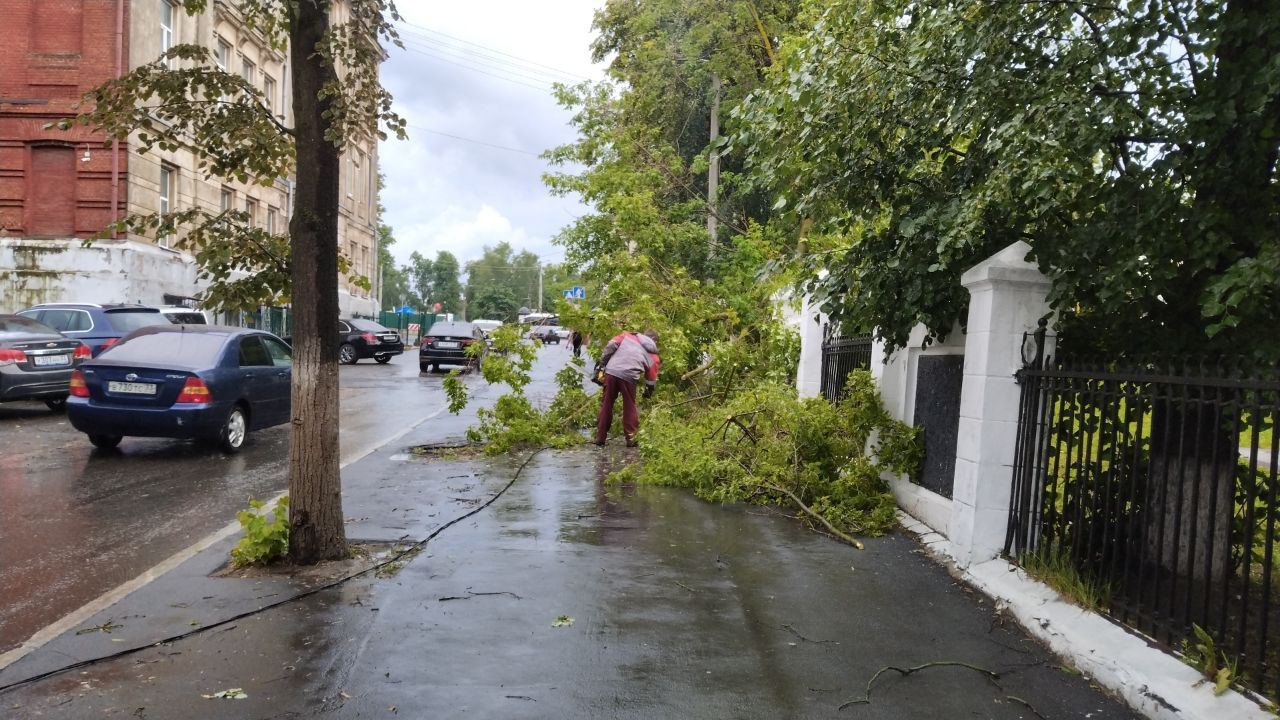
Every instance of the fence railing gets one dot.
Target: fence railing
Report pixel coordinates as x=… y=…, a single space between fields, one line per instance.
x=841 y=356
x=1151 y=490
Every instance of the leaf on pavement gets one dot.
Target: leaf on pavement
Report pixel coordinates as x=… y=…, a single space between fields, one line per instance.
x=228 y=694
x=562 y=621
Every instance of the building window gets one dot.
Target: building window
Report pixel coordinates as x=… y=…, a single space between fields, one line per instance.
x=223 y=55
x=168 y=18
x=351 y=171
x=269 y=93
x=272 y=213
x=251 y=209
x=249 y=71
x=168 y=182
x=226 y=199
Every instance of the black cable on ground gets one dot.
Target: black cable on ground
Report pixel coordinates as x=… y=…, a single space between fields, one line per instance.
x=415 y=547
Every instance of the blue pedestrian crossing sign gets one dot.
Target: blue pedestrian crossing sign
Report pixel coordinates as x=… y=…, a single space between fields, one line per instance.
x=405 y=310
x=577 y=292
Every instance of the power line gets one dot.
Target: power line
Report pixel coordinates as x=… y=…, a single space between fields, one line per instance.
x=494 y=50
x=473 y=140
x=510 y=79
x=490 y=58
x=479 y=65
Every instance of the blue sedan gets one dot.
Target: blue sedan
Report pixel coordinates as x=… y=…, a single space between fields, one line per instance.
x=197 y=382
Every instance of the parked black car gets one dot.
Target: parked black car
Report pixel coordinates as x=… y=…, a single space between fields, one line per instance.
x=200 y=382
x=98 y=326
x=446 y=344
x=545 y=334
x=36 y=361
x=360 y=339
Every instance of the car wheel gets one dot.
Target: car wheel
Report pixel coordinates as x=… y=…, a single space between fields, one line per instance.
x=347 y=354
x=56 y=404
x=423 y=367
x=384 y=359
x=105 y=442
x=234 y=430
x=435 y=367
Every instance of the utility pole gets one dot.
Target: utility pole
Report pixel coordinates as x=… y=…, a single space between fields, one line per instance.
x=539 y=286
x=713 y=164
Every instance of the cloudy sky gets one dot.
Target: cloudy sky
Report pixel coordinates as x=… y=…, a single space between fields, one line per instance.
x=472 y=73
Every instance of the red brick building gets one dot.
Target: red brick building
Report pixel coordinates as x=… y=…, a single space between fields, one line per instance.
x=54 y=183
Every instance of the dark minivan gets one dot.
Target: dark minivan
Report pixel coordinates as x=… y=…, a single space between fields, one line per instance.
x=98 y=326
x=200 y=382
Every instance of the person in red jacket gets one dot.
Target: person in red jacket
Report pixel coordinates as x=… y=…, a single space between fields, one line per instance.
x=626 y=358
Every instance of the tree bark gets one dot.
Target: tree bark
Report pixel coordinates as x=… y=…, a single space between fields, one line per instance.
x=1193 y=466
x=316 y=530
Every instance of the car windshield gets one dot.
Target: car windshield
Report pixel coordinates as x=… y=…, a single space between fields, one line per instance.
x=367 y=326
x=194 y=350
x=16 y=324
x=452 y=329
x=126 y=321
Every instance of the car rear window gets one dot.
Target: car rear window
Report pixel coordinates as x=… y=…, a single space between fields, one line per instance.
x=126 y=321
x=186 y=318
x=368 y=326
x=16 y=324
x=453 y=329
x=179 y=349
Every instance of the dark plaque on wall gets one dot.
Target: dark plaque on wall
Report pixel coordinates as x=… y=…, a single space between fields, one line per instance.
x=938 y=379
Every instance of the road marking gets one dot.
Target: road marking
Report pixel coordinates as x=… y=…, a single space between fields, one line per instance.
x=84 y=612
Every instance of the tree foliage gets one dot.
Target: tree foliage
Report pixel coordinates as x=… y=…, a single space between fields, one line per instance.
x=395 y=282
x=1133 y=144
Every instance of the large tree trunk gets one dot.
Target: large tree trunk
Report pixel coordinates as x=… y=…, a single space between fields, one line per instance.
x=1193 y=465
x=316 y=530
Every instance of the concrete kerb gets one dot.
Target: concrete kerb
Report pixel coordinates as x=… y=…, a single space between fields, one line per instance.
x=1150 y=680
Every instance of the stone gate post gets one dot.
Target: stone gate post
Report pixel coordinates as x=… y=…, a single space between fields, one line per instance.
x=1007 y=296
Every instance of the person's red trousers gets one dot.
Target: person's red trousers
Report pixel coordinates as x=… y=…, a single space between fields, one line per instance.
x=630 y=419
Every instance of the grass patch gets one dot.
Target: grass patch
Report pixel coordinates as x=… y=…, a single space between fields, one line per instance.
x=1058 y=572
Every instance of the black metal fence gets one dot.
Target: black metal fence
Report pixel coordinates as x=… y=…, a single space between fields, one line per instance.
x=1152 y=490
x=841 y=356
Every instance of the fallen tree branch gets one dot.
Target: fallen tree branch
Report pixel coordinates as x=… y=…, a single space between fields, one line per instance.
x=866 y=699
x=830 y=528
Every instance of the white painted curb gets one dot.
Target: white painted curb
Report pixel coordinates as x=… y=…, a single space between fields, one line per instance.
x=1150 y=680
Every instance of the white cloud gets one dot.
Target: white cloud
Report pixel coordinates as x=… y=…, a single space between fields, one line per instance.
x=444 y=193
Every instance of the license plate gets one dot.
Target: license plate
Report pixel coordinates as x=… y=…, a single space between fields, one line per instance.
x=132 y=388
x=449 y=345
x=46 y=360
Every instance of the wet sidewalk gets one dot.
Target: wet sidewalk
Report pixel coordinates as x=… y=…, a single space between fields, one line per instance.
x=571 y=598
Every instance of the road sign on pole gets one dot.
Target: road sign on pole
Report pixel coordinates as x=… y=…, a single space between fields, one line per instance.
x=578 y=292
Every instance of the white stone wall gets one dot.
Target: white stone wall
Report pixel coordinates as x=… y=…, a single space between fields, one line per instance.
x=36 y=271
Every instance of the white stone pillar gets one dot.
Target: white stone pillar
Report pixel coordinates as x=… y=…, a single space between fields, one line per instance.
x=809 y=374
x=1007 y=297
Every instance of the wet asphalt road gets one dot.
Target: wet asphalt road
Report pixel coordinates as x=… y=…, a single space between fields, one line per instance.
x=76 y=522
